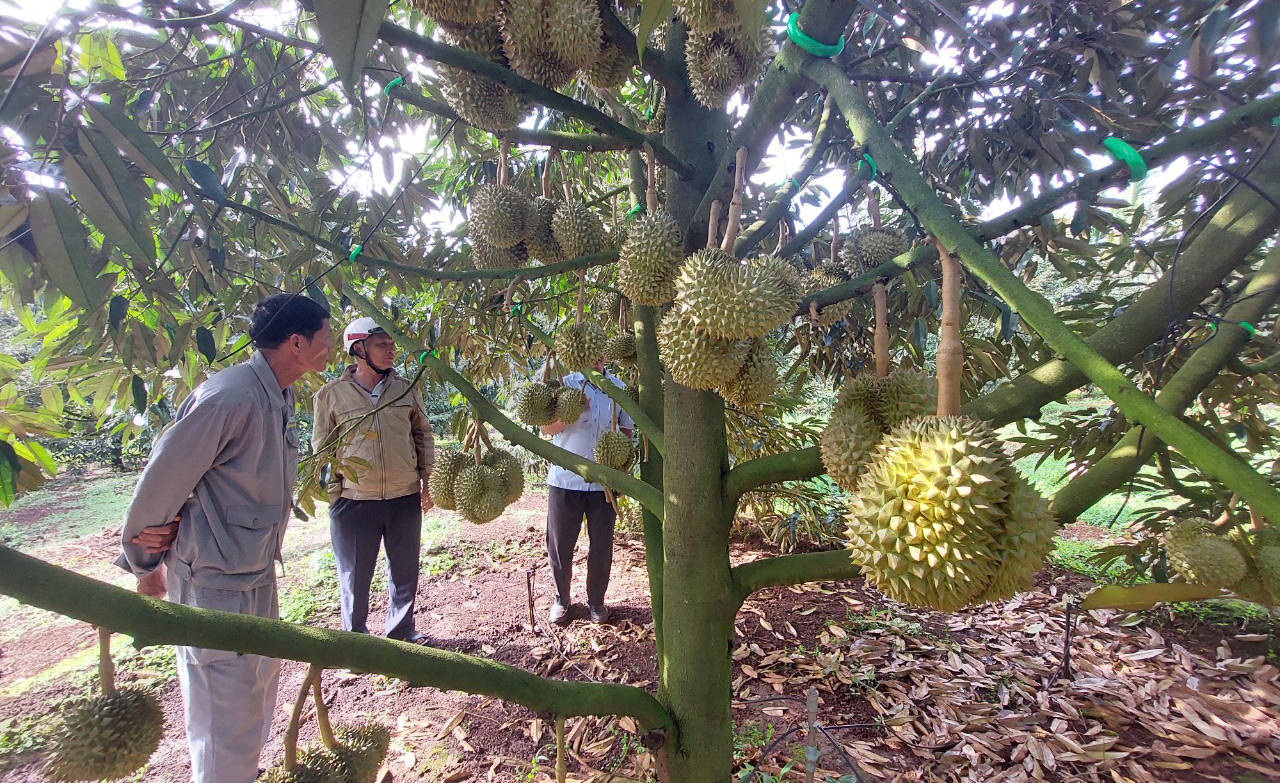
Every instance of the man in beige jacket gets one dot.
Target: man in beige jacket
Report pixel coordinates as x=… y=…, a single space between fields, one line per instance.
x=379 y=423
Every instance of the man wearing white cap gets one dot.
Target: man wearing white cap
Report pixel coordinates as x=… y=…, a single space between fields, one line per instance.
x=376 y=419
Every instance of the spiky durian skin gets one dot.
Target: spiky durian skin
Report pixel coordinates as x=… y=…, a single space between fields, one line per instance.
x=695 y=358
x=578 y=230
x=610 y=71
x=360 y=750
x=511 y=471
x=928 y=512
x=579 y=345
x=106 y=737
x=314 y=765
x=704 y=16
x=479 y=101
x=570 y=403
x=621 y=348
x=863 y=393
x=757 y=380
x=729 y=300
x=574 y=32
x=614 y=450
x=1024 y=543
x=847 y=443
x=496 y=215
x=443 y=475
x=538 y=239
x=480 y=493
x=722 y=60
x=650 y=258
x=868 y=248
x=486 y=256
x=471 y=482
x=1267 y=563
x=1206 y=559
x=453 y=13
x=905 y=394
x=536 y=404
x=525 y=35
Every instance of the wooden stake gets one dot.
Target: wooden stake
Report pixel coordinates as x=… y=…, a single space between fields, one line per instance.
x=950 y=359
x=713 y=223
x=735 y=205
x=528 y=581
x=106 y=666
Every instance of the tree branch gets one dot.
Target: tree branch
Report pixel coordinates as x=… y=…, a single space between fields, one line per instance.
x=805 y=235
x=154 y=622
x=1033 y=308
x=530 y=91
x=1201 y=368
x=789 y=465
x=793 y=570
x=647 y=495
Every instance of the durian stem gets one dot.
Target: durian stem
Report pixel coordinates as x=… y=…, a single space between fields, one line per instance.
x=784 y=234
x=295 y=718
x=582 y=295
x=873 y=205
x=484 y=435
x=504 y=149
x=546 y=368
x=106 y=666
x=880 y=332
x=713 y=223
x=562 y=758
x=950 y=356
x=322 y=709
x=546 y=177
x=650 y=180
x=735 y=204
x=835 y=239
x=509 y=293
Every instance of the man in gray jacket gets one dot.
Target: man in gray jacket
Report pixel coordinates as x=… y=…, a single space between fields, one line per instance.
x=226 y=468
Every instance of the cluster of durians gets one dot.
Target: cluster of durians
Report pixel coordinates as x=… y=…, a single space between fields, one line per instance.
x=1245 y=562
x=355 y=757
x=105 y=737
x=545 y=41
x=939 y=517
x=479 y=489
x=720 y=53
x=509 y=227
x=548 y=402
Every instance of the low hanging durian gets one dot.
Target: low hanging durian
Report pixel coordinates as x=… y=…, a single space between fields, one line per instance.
x=496 y=215
x=570 y=404
x=538 y=238
x=1202 y=558
x=729 y=300
x=578 y=230
x=614 y=450
x=650 y=259
x=696 y=359
x=449 y=462
x=579 y=345
x=621 y=348
x=757 y=380
x=536 y=404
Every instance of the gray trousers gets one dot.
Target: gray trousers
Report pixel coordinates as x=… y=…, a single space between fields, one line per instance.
x=357 y=528
x=565 y=510
x=228 y=698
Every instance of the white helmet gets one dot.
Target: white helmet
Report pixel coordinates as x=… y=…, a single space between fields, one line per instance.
x=358 y=330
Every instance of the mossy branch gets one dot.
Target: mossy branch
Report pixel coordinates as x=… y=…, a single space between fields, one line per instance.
x=793 y=569
x=1034 y=309
x=154 y=622
x=647 y=495
x=746 y=476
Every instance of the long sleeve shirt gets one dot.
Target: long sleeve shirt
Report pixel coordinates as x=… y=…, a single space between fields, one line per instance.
x=581 y=436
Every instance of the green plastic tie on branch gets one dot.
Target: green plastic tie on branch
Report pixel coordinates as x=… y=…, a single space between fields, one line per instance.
x=355 y=251
x=1250 y=328
x=795 y=185
x=1126 y=154
x=815 y=48
x=422 y=357
x=875 y=170
x=391 y=85
x=638 y=209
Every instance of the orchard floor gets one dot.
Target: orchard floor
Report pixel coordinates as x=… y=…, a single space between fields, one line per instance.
x=905 y=695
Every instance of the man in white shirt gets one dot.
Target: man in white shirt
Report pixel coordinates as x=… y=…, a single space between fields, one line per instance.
x=571 y=497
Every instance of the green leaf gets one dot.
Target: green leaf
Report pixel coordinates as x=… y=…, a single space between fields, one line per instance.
x=10 y=467
x=139 y=389
x=97 y=51
x=651 y=15
x=135 y=144
x=117 y=310
x=348 y=29
x=1136 y=597
x=104 y=201
x=206 y=345
x=207 y=182
x=60 y=248
x=751 y=13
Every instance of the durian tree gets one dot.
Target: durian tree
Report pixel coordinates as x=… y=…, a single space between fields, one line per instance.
x=503 y=182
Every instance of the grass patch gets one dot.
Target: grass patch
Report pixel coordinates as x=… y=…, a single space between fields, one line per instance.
x=316 y=593
x=66 y=511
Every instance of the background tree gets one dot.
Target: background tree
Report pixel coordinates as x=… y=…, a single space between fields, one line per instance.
x=166 y=167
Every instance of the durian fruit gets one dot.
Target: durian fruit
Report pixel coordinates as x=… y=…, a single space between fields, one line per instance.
x=757 y=380
x=480 y=493
x=509 y=468
x=496 y=214
x=621 y=348
x=847 y=443
x=525 y=28
x=538 y=239
x=695 y=358
x=729 y=300
x=1027 y=539
x=486 y=256
x=783 y=274
x=650 y=258
x=863 y=393
x=536 y=404
x=574 y=32
x=614 y=450
x=449 y=462
x=1203 y=558
x=928 y=513
x=579 y=345
x=1267 y=563
x=479 y=101
x=570 y=403
x=314 y=765
x=820 y=280
x=455 y=13
x=577 y=229
x=105 y=737
x=905 y=393
x=360 y=750
x=704 y=16
x=868 y=248
x=721 y=61
x=611 y=69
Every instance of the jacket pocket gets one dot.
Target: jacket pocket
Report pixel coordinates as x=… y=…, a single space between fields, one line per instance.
x=249 y=538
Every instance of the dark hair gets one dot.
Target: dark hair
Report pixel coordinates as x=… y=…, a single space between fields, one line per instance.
x=278 y=317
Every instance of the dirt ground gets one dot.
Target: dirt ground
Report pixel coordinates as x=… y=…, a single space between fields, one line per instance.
x=975 y=696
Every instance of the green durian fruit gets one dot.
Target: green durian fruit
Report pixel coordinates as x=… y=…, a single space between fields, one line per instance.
x=1267 y=562
x=473 y=481
x=314 y=765
x=570 y=404
x=479 y=101
x=705 y=16
x=449 y=462
x=1206 y=559
x=360 y=750
x=538 y=239
x=611 y=70
x=525 y=28
x=105 y=737
x=578 y=230
x=575 y=34
x=496 y=215
x=929 y=510
x=579 y=345
x=614 y=450
x=847 y=443
x=486 y=256
x=721 y=61
x=904 y=394
x=536 y=404
x=453 y=13
x=621 y=348
x=862 y=392
x=1027 y=539
x=868 y=248
x=696 y=359
x=757 y=380
x=512 y=472
x=650 y=258
x=729 y=300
